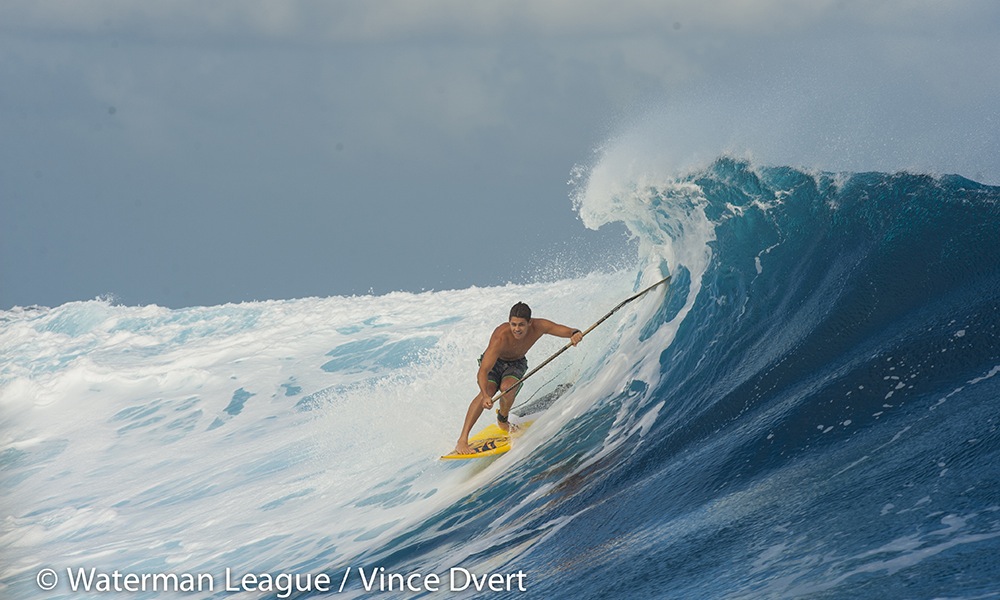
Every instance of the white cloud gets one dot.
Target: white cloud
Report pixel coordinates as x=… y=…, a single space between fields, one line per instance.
x=394 y=72
x=373 y=21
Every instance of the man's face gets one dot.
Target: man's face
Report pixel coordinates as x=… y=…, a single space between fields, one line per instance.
x=518 y=327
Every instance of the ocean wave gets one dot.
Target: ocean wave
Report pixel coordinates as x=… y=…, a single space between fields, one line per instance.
x=808 y=410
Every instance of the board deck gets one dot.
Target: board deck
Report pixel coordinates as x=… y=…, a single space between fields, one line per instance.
x=491 y=441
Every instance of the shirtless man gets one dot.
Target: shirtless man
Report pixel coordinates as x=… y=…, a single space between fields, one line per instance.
x=503 y=365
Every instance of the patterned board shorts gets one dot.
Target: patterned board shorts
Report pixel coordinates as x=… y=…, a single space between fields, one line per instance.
x=507 y=368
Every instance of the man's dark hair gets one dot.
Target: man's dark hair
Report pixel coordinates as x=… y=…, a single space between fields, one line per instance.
x=520 y=310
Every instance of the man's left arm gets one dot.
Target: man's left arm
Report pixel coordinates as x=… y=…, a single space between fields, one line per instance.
x=574 y=335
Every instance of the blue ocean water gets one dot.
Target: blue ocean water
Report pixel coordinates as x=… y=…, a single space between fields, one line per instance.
x=808 y=411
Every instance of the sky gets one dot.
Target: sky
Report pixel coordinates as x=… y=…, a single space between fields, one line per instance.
x=187 y=153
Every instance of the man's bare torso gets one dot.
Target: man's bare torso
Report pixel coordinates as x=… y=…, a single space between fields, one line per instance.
x=511 y=348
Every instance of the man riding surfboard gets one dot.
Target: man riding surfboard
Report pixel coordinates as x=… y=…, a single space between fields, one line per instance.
x=503 y=364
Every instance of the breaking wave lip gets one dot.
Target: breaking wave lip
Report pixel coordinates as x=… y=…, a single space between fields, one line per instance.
x=804 y=411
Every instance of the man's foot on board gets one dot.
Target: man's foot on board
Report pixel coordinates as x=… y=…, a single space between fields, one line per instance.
x=462 y=448
x=505 y=424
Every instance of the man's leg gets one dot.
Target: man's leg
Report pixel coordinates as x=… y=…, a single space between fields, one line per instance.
x=507 y=401
x=471 y=416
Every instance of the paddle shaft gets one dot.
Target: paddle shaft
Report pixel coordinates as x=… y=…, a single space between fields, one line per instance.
x=583 y=334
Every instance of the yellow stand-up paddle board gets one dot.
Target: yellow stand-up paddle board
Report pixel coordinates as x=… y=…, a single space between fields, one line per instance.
x=491 y=441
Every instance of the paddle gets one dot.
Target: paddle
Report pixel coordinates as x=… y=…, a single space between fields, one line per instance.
x=583 y=334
